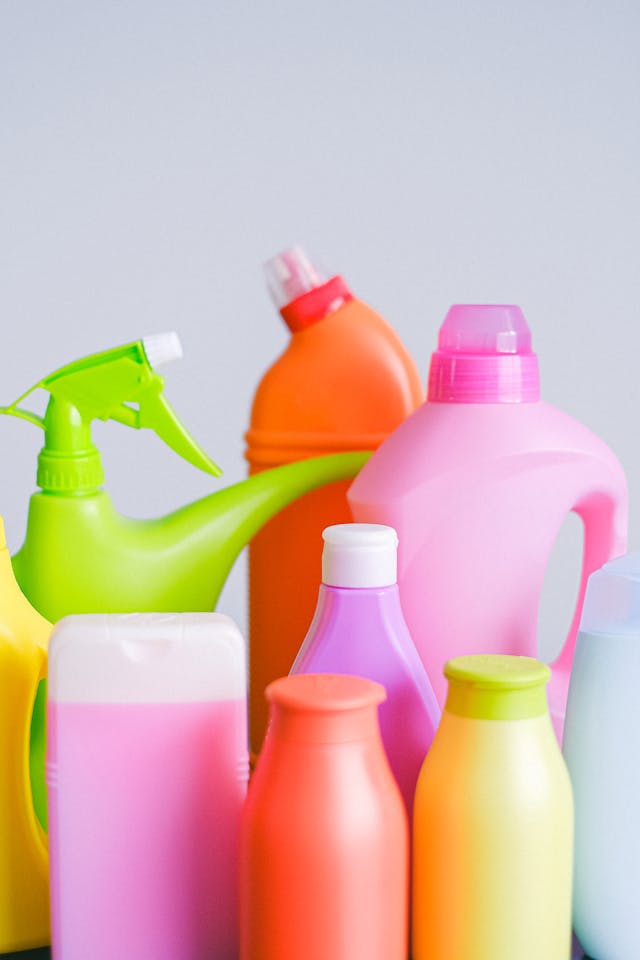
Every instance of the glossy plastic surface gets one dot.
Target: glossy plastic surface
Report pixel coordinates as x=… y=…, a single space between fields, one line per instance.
x=478 y=493
x=175 y=563
x=484 y=356
x=343 y=383
x=361 y=631
x=147 y=770
x=324 y=851
x=493 y=842
x=24 y=879
x=359 y=555
x=602 y=750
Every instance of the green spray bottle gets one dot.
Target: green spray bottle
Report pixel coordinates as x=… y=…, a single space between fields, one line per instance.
x=80 y=555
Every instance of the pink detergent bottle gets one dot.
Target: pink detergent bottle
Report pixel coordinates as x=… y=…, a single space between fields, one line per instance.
x=478 y=482
x=358 y=629
x=147 y=769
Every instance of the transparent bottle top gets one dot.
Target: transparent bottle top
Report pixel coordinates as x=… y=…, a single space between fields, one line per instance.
x=484 y=329
x=612 y=600
x=484 y=355
x=291 y=274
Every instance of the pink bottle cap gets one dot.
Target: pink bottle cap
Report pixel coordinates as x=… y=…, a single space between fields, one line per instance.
x=484 y=355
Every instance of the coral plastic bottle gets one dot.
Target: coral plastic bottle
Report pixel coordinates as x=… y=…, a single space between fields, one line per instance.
x=493 y=821
x=324 y=851
x=478 y=483
x=344 y=382
x=358 y=629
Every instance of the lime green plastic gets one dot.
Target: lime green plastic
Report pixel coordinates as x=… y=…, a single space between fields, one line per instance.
x=118 y=384
x=496 y=687
x=81 y=556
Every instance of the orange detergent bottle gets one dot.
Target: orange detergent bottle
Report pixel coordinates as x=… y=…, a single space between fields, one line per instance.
x=344 y=382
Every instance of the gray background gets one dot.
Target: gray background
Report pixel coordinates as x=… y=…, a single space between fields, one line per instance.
x=152 y=154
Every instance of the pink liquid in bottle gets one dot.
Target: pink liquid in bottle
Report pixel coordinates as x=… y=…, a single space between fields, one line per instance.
x=145 y=800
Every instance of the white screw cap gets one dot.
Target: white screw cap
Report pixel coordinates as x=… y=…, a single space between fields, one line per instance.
x=162 y=348
x=359 y=555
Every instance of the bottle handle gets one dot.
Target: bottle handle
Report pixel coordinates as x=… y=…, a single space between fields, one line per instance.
x=604 y=518
x=42 y=662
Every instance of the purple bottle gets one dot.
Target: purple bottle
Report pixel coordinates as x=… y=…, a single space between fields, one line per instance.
x=358 y=629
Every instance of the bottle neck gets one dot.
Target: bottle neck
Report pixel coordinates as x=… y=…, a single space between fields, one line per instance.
x=339 y=727
x=343 y=600
x=69 y=463
x=465 y=701
x=316 y=304
x=503 y=378
x=324 y=708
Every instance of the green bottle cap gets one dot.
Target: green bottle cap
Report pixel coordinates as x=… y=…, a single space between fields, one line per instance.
x=496 y=687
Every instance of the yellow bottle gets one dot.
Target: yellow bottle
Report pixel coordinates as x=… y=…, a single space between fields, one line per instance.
x=493 y=821
x=24 y=864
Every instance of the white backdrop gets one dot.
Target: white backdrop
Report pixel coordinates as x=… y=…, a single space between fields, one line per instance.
x=154 y=152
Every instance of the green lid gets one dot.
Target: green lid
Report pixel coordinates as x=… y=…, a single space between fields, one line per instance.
x=496 y=687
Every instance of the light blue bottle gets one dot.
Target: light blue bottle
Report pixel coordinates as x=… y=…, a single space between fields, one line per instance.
x=602 y=750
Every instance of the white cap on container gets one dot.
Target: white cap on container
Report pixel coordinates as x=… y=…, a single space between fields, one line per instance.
x=359 y=555
x=162 y=348
x=146 y=658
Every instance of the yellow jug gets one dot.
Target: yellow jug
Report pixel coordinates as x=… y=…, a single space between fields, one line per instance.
x=24 y=862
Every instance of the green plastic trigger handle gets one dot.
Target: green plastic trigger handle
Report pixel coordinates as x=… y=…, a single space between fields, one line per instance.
x=119 y=384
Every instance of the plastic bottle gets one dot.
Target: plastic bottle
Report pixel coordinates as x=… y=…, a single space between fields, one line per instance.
x=358 y=629
x=478 y=483
x=324 y=841
x=493 y=821
x=147 y=768
x=24 y=864
x=178 y=562
x=602 y=750
x=344 y=382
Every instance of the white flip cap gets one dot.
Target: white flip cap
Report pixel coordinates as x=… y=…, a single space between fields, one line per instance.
x=146 y=658
x=359 y=555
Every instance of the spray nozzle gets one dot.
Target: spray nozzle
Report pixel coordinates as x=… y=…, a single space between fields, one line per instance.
x=119 y=384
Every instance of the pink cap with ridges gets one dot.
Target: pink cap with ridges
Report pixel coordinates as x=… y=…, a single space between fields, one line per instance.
x=484 y=355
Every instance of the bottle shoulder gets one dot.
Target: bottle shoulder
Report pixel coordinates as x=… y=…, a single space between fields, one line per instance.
x=535 y=767
x=440 y=439
x=349 y=370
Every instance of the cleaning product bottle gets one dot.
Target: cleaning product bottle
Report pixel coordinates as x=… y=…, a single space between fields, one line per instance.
x=344 y=382
x=24 y=879
x=147 y=768
x=493 y=821
x=602 y=750
x=324 y=850
x=358 y=629
x=478 y=483
x=173 y=563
